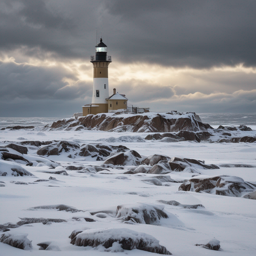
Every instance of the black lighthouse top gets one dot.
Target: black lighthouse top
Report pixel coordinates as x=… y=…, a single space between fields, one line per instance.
x=101 y=53
x=101 y=44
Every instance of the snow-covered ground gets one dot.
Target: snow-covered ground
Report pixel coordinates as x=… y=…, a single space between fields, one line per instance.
x=231 y=220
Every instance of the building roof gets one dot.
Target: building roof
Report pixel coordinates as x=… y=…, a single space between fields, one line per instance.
x=101 y=44
x=117 y=96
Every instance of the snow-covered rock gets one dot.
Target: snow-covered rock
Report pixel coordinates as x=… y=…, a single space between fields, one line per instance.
x=140 y=213
x=130 y=157
x=15 y=157
x=147 y=122
x=180 y=164
x=48 y=246
x=25 y=221
x=251 y=195
x=126 y=238
x=17 y=240
x=154 y=159
x=219 y=185
x=101 y=151
x=213 y=244
x=57 y=148
x=12 y=169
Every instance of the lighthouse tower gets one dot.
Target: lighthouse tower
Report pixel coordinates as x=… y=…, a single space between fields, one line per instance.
x=100 y=77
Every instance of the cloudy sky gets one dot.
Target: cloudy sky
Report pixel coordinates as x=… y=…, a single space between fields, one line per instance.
x=197 y=55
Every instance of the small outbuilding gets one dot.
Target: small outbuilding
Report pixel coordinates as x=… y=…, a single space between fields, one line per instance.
x=116 y=101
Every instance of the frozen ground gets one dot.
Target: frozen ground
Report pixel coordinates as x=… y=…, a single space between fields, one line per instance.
x=231 y=220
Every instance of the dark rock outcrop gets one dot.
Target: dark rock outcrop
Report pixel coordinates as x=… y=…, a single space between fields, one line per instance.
x=74 y=168
x=153 y=122
x=127 y=240
x=219 y=185
x=130 y=157
x=7 y=155
x=18 y=148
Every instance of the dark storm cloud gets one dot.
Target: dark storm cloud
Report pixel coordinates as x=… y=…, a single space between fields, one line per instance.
x=35 y=83
x=42 y=27
x=199 y=33
x=187 y=33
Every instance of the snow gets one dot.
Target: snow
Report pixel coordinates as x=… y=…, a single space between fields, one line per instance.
x=117 y=96
x=230 y=219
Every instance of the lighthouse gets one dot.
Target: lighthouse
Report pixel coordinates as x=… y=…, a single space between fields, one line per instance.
x=100 y=90
x=101 y=101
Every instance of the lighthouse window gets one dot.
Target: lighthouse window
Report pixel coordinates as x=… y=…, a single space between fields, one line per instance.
x=97 y=93
x=110 y=105
x=117 y=103
x=104 y=86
